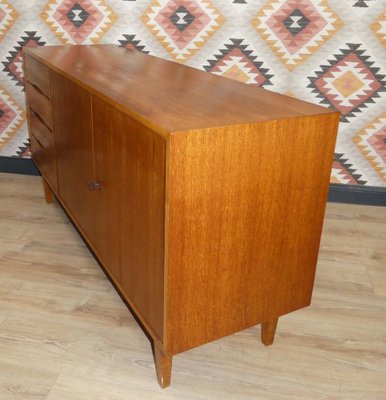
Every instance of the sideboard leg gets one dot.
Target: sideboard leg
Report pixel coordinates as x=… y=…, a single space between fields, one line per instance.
x=268 y=330
x=49 y=196
x=163 y=366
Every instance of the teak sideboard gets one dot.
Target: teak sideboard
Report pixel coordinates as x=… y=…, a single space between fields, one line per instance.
x=202 y=197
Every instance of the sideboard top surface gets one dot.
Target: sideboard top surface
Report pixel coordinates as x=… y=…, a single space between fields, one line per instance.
x=165 y=95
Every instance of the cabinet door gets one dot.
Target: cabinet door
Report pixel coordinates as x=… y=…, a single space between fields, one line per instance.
x=71 y=107
x=130 y=165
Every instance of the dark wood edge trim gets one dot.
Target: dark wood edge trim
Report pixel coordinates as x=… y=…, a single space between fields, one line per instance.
x=357 y=194
x=15 y=165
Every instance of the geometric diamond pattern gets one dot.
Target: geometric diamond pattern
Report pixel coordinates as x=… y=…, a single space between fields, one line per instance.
x=131 y=43
x=77 y=22
x=12 y=117
x=296 y=47
x=349 y=81
x=237 y=60
x=182 y=18
x=343 y=171
x=371 y=141
x=24 y=150
x=77 y=15
x=14 y=64
x=182 y=27
x=295 y=29
x=8 y=16
x=296 y=22
x=379 y=28
x=361 y=3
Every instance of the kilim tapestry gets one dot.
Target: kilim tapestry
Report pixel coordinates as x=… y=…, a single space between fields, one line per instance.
x=328 y=52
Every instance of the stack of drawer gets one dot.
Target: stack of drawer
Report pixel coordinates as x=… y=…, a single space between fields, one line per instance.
x=37 y=85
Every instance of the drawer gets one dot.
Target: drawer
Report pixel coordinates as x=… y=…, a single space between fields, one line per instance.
x=41 y=132
x=38 y=74
x=45 y=161
x=39 y=104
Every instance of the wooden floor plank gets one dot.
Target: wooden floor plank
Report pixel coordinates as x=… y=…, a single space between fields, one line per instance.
x=65 y=334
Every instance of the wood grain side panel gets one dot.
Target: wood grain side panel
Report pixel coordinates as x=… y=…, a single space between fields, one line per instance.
x=130 y=165
x=71 y=107
x=245 y=206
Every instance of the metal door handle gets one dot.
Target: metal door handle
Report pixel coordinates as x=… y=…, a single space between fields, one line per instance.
x=94 y=186
x=91 y=185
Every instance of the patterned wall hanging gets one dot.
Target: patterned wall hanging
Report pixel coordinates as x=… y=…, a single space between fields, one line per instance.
x=328 y=52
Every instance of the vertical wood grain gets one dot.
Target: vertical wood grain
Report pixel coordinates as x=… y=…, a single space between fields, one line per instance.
x=109 y=155
x=130 y=165
x=71 y=107
x=207 y=217
x=246 y=206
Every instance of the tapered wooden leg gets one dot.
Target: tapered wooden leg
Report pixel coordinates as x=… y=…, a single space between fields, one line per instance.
x=163 y=366
x=49 y=196
x=268 y=330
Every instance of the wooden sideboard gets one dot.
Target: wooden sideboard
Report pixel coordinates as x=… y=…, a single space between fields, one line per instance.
x=203 y=198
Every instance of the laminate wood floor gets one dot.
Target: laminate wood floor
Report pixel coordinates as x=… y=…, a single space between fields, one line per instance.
x=66 y=335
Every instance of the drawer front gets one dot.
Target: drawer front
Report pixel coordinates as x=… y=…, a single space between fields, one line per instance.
x=39 y=104
x=38 y=74
x=41 y=132
x=45 y=161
